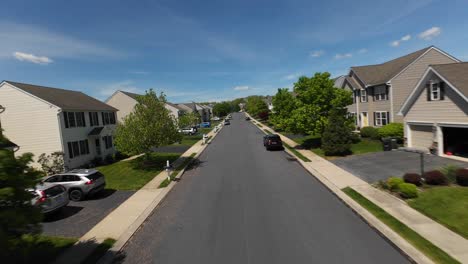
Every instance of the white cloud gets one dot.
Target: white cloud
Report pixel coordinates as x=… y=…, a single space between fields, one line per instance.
x=241 y=88
x=316 y=53
x=361 y=51
x=430 y=33
x=32 y=58
x=343 y=56
x=397 y=43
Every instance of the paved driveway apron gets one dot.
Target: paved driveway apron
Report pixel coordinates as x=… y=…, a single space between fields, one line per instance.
x=243 y=204
x=373 y=167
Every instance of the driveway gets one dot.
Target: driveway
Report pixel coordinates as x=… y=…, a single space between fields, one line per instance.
x=78 y=218
x=373 y=167
x=243 y=204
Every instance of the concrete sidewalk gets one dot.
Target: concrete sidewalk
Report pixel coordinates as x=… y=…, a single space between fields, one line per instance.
x=336 y=179
x=121 y=223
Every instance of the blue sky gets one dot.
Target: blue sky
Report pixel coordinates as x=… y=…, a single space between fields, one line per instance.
x=214 y=49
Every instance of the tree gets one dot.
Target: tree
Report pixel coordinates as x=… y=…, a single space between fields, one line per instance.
x=52 y=163
x=284 y=103
x=222 y=109
x=17 y=215
x=337 y=137
x=255 y=105
x=235 y=104
x=150 y=125
x=316 y=97
x=188 y=120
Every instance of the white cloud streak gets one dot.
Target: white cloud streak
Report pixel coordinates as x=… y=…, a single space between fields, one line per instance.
x=343 y=56
x=430 y=33
x=316 y=53
x=397 y=43
x=21 y=56
x=241 y=88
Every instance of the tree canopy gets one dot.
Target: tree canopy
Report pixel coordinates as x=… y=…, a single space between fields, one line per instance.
x=284 y=103
x=150 y=125
x=222 y=109
x=255 y=105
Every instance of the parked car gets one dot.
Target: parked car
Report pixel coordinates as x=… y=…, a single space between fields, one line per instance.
x=205 y=124
x=79 y=183
x=216 y=118
x=226 y=122
x=247 y=118
x=272 y=141
x=188 y=131
x=50 y=197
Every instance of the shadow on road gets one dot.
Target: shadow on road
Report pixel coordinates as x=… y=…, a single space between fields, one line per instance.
x=65 y=212
x=102 y=194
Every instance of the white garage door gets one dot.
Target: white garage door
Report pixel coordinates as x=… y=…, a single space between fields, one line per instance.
x=421 y=136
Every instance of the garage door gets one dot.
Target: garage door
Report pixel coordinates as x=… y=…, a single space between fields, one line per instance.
x=421 y=136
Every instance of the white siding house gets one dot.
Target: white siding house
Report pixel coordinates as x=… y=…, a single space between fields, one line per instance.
x=41 y=119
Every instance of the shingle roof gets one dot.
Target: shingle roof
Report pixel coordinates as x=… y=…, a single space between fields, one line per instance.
x=135 y=96
x=353 y=83
x=65 y=99
x=382 y=73
x=456 y=74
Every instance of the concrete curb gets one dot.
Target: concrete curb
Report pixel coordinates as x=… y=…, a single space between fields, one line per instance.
x=113 y=253
x=399 y=243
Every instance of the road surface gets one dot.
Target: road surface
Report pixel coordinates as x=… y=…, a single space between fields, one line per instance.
x=243 y=204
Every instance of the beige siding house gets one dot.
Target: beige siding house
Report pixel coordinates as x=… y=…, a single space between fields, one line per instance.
x=436 y=112
x=380 y=90
x=41 y=119
x=126 y=101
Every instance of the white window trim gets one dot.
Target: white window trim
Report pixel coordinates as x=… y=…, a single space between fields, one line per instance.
x=381 y=96
x=363 y=96
x=435 y=90
x=378 y=121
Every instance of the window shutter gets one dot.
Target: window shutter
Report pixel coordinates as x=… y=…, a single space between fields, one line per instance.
x=84 y=119
x=442 y=90
x=65 y=118
x=428 y=90
x=70 y=150
x=90 y=119
x=388 y=118
x=386 y=92
x=103 y=122
x=375 y=119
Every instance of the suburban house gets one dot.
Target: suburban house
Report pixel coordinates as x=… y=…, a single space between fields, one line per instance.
x=380 y=90
x=339 y=81
x=204 y=113
x=41 y=119
x=436 y=112
x=126 y=101
x=269 y=102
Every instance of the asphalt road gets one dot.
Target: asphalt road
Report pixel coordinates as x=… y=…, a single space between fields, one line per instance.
x=242 y=204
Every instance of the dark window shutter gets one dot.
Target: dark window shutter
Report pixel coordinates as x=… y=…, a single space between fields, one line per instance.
x=65 y=118
x=375 y=123
x=84 y=119
x=386 y=92
x=442 y=90
x=388 y=118
x=70 y=150
x=372 y=93
x=90 y=119
x=102 y=115
x=428 y=90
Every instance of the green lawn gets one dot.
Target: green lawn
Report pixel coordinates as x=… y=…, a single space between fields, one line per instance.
x=446 y=205
x=425 y=246
x=134 y=174
x=38 y=249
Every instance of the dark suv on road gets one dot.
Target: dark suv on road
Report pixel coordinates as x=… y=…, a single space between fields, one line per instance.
x=272 y=141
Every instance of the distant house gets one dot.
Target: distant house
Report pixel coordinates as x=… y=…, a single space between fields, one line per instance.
x=380 y=90
x=204 y=113
x=126 y=101
x=41 y=119
x=269 y=102
x=436 y=112
x=339 y=81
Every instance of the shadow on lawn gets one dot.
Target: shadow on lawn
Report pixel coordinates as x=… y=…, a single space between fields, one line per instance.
x=154 y=161
x=310 y=143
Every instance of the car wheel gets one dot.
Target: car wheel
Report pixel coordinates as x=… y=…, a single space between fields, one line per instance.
x=76 y=195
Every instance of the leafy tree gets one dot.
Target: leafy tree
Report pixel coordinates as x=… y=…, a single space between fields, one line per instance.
x=255 y=105
x=188 y=120
x=52 y=163
x=316 y=98
x=284 y=103
x=235 y=104
x=337 y=137
x=222 y=109
x=17 y=215
x=150 y=125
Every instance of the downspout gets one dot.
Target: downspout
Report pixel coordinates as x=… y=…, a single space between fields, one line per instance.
x=390 y=91
x=65 y=161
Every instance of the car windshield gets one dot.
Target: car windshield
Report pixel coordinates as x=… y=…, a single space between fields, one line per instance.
x=53 y=191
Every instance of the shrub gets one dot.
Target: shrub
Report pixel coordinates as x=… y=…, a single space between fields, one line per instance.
x=408 y=190
x=412 y=178
x=435 y=177
x=450 y=172
x=369 y=132
x=355 y=138
x=394 y=130
x=394 y=182
x=336 y=139
x=462 y=177
x=52 y=163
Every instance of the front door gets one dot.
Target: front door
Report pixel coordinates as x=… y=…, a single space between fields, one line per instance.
x=364 y=119
x=98 y=146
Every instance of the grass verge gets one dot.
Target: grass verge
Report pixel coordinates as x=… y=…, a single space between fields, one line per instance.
x=425 y=246
x=134 y=174
x=99 y=251
x=446 y=205
x=185 y=163
x=297 y=153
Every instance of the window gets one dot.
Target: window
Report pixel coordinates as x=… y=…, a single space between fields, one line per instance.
x=73 y=119
x=380 y=93
x=78 y=148
x=381 y=118
x=80 y=119
x=108 y=118
x=70 y=178
x=107 y=141
x=435 y=92
x=84 y=147
x=93 y=119
x=363 y=96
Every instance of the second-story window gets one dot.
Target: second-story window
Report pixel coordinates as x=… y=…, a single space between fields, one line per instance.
x=363 y=96
x=380 y=93
x=93 y=119
x=435 y=92
x=108 y=118
x=74 y=119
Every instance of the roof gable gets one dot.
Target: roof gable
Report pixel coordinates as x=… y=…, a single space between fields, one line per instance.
x=64 y=99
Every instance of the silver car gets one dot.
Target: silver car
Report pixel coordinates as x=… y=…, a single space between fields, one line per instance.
x=50 y=197
x=79 y=183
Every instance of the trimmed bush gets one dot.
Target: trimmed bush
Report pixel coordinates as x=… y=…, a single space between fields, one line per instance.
x=394 y=182
x=355 y=138
x=462 y=177
x=450 y=171
x=435 y=177
x=394 y=130
x=408 y=190
x=412 y=178
x=370 y=132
